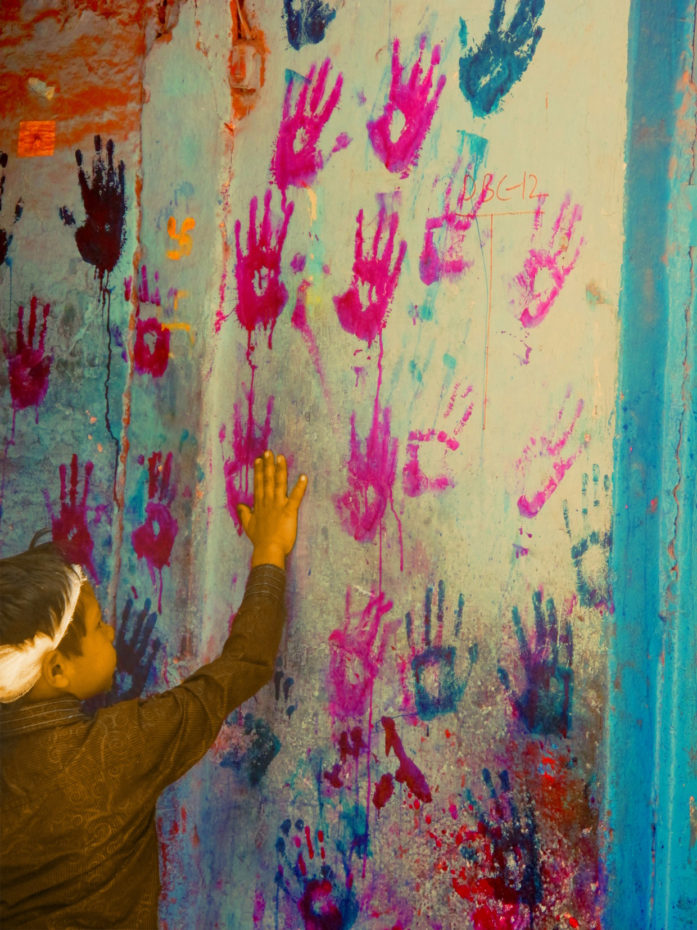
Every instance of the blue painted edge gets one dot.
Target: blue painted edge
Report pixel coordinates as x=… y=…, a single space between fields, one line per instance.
x=651 y=732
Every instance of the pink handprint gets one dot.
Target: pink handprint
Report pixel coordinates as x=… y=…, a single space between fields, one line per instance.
x=248 y=441
x=371 y=476
x=557 y=260
x=366 y=315
x=411 y=99
x=28 y=365
x=414 y=480
x=297 y=158
x=154 y=539
x=69 y=527
x=447 y=259
x=355 y=656
x=261 y=295
x=151 y=348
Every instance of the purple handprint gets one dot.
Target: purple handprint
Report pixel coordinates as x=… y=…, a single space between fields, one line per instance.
x=372 y=467
x=365 y=315
x=297 y=158
x=69 y=526
x=411 y=99
x=5 y=237
x=101 y=237
x=29 y=365
x=154 y=539
x=136 y=648
x=554 y=261
x=261 y=295
x=248 y=441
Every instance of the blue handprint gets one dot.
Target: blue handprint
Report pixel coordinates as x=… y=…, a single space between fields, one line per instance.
x=306 y=21
x=136 y=648
x=488 y=71
x=545 y=704
x=437 y=688
x=590 y=552
x=259 y=747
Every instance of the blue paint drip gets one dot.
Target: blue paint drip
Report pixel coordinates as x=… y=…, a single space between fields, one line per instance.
x=489 y=71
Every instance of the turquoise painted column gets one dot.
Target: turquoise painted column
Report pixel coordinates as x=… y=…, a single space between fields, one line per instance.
x=652 y=720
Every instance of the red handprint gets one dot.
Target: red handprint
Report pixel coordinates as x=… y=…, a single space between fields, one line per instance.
x=366 y=315
x=297 y=158
x=447 y=259
x=261 y=295
x=248 y=441
x=411 y=99
x=371 y=476
x=557 y=259
x=29 y=366
x=408 y=772
x=151 y=347
x=154 y=539
x=69 y=527
x=355 y=656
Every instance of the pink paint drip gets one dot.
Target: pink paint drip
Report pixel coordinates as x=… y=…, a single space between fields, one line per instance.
x=556 y=259
x=366 y=316
x=297 y=158
x=29 y=366
x=261 y=294
x=154 y=539
x=411 y=98
x=70 y=527
x=531 y=506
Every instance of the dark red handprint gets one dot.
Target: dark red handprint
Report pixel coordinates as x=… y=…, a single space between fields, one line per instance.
x=151 y=346
x=372 y=467
x=408 y=772
x=261 y=295
x=154 y=539
x=364 y=308
x=101 y=237
x=552 y=263
x=297 y=158
x=29 y=365
x=70 y=526
x=5 y=237
x=248 y=441
x=411 y=98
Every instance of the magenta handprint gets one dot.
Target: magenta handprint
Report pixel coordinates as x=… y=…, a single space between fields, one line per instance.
x=414 y=480
x=297 y=158
x=356 y=652
x=5 y=237
x=101 y=237
x=444 y=237
x=248 y=441
x=154 y=539
x=364 y=308
x=70 y=526
x=413 y=99
x=261 y=294
x=151 y=346
x=371 y=471
x=546 y=268
x=29 y=365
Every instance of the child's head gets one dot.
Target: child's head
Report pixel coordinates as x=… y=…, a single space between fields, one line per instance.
x=52 y=638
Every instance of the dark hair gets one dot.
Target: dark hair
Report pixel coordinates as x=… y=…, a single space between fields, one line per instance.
x=34 y=591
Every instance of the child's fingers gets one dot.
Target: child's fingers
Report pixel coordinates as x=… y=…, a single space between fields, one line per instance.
x=269 y=475
x=281 y=480
x=258 y=482
x=245 y=515
x=298 y=492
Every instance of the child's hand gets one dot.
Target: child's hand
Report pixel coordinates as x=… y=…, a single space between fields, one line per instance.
x=272 y=523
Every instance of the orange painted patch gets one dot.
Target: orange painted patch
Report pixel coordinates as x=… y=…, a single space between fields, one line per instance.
x=36 y=137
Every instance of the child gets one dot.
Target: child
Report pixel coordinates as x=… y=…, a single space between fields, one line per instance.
x=77 y=797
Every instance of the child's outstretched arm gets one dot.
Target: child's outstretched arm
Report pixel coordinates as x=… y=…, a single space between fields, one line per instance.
x=272 y=523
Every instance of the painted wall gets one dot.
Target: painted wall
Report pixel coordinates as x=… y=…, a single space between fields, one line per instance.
x=385 y=239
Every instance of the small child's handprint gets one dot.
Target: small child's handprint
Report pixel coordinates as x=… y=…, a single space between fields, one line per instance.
x=248 y=748
x=356 y=653
x=545 y=703
x=136 y=648
x=488 y=72
x=248 y=441
x=102 y=235
x=154 y=539
x=29 y=365
x=364 y=307
x=546 y=269
x=591 y=550
x=261 y=294
x=5 y=237
x=438 y=688
x=297 y=158
x=306 y=21
x=413 y=100
x=70 y=525
x=152 y=340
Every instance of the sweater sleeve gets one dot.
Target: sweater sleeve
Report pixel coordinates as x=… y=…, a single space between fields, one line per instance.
x=153 y=742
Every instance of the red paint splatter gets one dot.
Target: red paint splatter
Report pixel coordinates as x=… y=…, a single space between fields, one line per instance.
x=408 y=772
